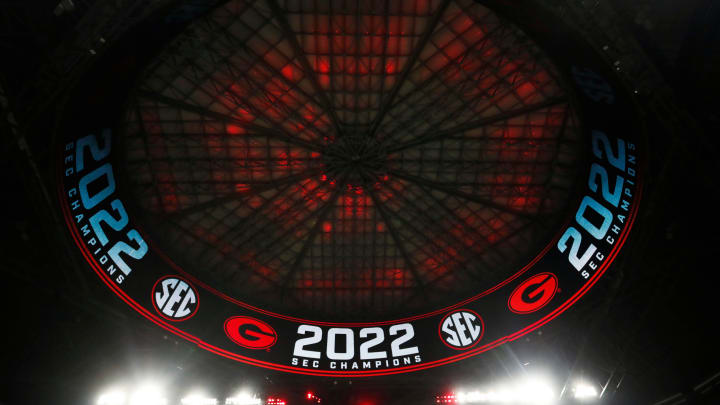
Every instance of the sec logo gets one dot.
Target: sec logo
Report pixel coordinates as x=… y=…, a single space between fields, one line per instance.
x=461 y=329
x=174 y=298
x=250 y=332
x=533 y=294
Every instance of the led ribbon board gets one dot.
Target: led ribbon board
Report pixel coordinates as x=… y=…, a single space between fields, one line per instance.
x=354 y=156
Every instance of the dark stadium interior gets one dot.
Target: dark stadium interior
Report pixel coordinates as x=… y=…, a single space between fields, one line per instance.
x=646 y=333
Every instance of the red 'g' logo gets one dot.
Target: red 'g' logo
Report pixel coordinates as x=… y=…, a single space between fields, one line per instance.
x=250 y=332
x=533 y=294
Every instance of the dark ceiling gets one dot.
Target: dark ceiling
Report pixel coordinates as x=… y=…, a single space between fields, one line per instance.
x=647 y=329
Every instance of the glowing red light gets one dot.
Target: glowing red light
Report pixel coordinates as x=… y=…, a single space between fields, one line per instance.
x=445 y=399
x=327 y=227
x=255 y=202
x=234 y=129
x=323 y=66
x=525 y=90
x=288 y=72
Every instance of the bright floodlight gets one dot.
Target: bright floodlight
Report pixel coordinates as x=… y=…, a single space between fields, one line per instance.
x=243 y=398
x=583 y=390
x=112 y=397
x=148 y=394
x=530 y=391
x=535 y=391
x=473 y=396
x=197 y=398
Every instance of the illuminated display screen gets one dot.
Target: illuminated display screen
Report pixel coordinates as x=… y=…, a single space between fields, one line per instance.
x=352 y=189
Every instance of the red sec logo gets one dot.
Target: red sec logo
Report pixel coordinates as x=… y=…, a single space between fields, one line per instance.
x=250 y=332
x=175 y=299
x=461 y=329
x=533 y=294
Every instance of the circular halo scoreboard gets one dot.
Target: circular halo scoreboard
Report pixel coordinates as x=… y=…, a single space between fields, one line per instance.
x=105 y=229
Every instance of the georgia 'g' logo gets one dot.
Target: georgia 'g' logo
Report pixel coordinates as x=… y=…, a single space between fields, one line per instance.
x=533 y=294
x=250 y=332
x=174 y=298
x=461 y=329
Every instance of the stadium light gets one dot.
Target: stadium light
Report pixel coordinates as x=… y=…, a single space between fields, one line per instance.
x=243 y=398
x=198 y=398
x=585 y=391
x=536 y=391
x=148 y=394
x=529 y=391
x=112 y=397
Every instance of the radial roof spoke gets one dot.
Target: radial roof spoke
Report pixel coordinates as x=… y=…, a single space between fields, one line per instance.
x=319 y=216
x=419 y=282
x=300 y=221
x=456 y=111
x=448 y=189
x=227 y=118
x=474 y=47
x=478 y=236
x=437 y=234
x=480 y=255
x=408 y=67
x=255 y=188
x=278 y=73
x=210 y=247
x=292 y=39
x=434 y=136
x=252 y=219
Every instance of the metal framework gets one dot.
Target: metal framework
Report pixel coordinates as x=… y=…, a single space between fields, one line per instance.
x=352 y=158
